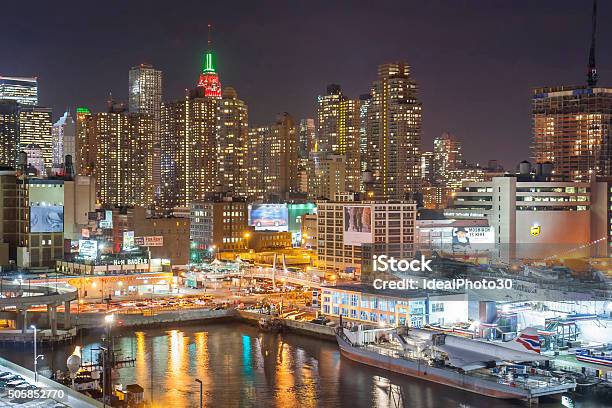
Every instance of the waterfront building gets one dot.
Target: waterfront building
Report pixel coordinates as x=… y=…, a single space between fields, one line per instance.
x=338 y=132
x=23 y=90
x=394 y=132
x=414 y=308
x=174 y=233
x=534 y=215
x=9 y=132
x=124 y=161
x=351 y=232
x=232 y=133
x=145 y=96
x=218 y=223
x=63 y=134
x=35 y=129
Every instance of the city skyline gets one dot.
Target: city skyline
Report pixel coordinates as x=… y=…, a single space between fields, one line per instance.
x=263 y=67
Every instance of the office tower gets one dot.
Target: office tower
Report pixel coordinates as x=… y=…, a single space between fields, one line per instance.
x=572 y=125
x=9 y=132
x=35 y=163
x=145 y=96
x=394 y=132
x=35 y=129
x=338 y=131
x=85 y=143
x=63 y=135
x=20 y=89
x=306 y=138
x=232 y=128
x=448 y=156
x=124 y=163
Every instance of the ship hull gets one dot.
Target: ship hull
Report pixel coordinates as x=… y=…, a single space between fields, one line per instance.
x=437 y=375
x=594 y=360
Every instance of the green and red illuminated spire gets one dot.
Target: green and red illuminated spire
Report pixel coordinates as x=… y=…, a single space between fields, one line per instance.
x=209 y=79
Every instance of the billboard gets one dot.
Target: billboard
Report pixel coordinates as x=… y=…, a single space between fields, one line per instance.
x=358 y=225
x=48 y=218
x=464 y=237
x=88 y=248
x=154 y=241
x=128 y=240
x=107 y=222
x=271 y=217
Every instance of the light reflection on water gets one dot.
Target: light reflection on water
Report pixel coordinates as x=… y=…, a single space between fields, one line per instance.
x=242 y=367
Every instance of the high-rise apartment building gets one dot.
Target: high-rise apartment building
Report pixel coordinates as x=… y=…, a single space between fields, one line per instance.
x=124 y=163
x=448 y=156
x=394 y=132
x=306 y=138
x=338 y=132
x=572 y=125
x=572 y=128
x=63 y=134
x=327 y=175
x=145 y=96
x=364 y=105
x=232 y=133
x=23 y=90
x=35 y=129
x=9 y=132
x=272 y=160
x=85 y=143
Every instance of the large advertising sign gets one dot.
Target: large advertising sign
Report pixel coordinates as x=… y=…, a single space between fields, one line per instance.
x=48 y=218
x=271 y=217
x=128 y=240
x=107 y=222
x=88 y=249
x=358 y=225
x=464 y=237
x=153 y=241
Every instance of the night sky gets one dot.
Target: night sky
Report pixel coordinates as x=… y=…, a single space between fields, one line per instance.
x=475 y=62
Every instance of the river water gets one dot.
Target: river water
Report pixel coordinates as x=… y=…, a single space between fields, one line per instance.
x=243 y=367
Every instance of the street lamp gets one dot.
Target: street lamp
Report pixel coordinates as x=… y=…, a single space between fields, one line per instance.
x=200 y=382
x=36 y=356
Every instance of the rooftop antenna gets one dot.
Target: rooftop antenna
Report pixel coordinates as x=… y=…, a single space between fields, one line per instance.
x=209 y=36
x=592 y=71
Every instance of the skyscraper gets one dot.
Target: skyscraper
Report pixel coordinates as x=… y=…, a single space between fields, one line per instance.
x=338 y=131
x=20 y=89
x=145 y=96
x=9 y=132
x=63 y=135
x=124 y=163
x=209 y=79
x=35 y=129
x=85 y=143
x=448 y=156
x=394 y=132
x=272 y=161
x=232 y=128
x=189 y=140
x=572 y=125
x=306 y=138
